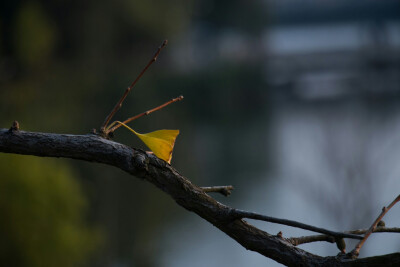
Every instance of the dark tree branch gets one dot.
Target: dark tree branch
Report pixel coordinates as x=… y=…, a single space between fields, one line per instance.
x=156 y=171
x=119 y=103
x=240 y=214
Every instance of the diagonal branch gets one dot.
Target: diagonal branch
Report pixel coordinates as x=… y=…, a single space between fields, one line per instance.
x=113 y=126
x=148 y=167
x=356 y=251
x=316 y=238
x=240 y=214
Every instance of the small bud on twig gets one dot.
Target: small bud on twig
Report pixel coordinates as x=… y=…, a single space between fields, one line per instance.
x=341 y=245
x=14 y=126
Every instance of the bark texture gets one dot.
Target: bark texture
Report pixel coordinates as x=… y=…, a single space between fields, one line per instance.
x=148 y=167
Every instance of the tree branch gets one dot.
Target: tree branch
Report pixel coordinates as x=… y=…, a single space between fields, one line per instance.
x=356 y=251
x=148 y=167
x=225 y=190
x=240 y=214
x=113 y=128
x=295 y=241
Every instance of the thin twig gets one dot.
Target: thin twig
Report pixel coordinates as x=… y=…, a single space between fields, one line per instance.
x=356 y=251
x=376 y=230
x=119 y=104
x=225 y=190
x=315 y=238
x=239 y=214
x=113 y=128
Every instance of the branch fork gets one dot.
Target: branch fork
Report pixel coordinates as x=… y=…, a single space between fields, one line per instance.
x=107 y=130
x=356 y=251
x=138 y=163
x=97 y=148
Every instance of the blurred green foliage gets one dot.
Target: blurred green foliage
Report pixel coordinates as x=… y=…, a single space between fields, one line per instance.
x=34 y=35
x=63 y=66
x=41 y=211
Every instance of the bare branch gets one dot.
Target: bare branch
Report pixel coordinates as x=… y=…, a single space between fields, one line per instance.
x=113 y=128
x=356 y=251
x=225 y=190
x=295 y=241
x=119 y=103
x=148 y=167
x=255 y=216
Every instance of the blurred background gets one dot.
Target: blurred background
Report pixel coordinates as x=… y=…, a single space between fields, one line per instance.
x=294 y=103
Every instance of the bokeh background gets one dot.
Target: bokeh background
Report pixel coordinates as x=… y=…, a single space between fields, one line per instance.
x=295 y=103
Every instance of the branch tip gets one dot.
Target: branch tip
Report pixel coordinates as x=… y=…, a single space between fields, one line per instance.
x=119 y=103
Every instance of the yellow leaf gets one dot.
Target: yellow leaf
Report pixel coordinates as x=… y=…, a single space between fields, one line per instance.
x=161 y=142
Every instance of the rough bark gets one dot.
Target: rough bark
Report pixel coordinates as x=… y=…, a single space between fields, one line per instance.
x=148 y=167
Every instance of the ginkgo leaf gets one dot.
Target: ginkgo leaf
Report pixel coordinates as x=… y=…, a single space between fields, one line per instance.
x=161 y=142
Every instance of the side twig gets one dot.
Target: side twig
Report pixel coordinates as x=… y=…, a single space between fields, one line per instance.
x=116 y=126
x=225 y=190
x=240 y=214
x=356 y=251
x=376 y=230
x=295 y=241
x=119 y=104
